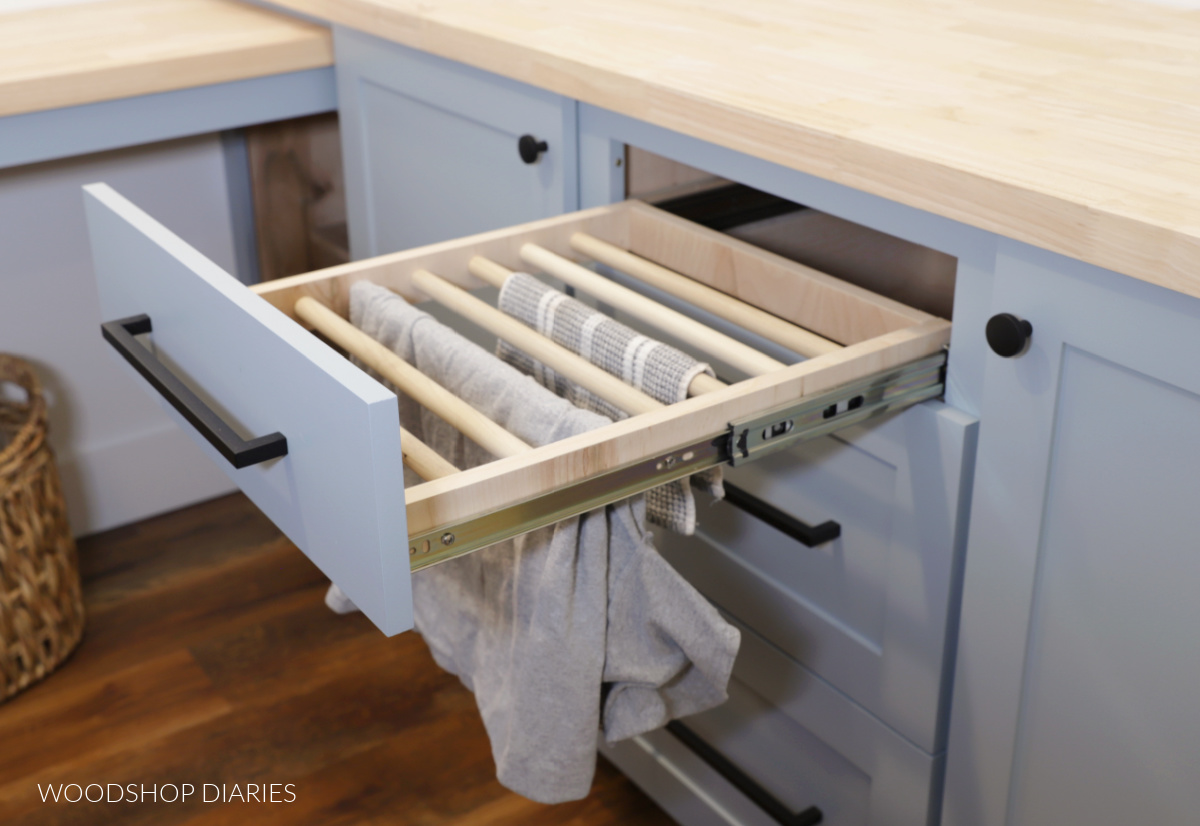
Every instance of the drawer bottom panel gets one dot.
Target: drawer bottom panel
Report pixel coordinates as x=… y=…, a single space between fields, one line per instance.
x=796 y=737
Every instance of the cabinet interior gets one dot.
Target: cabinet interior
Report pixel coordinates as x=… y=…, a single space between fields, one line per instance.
x=914 y=274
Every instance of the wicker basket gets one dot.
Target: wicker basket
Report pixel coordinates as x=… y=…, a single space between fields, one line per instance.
x=41 y=607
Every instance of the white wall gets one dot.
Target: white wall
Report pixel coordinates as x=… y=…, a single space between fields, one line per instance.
x=121 y=458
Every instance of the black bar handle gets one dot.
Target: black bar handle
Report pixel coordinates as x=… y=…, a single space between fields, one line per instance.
x=742 y=781
x=236 y=450
x=802 y=532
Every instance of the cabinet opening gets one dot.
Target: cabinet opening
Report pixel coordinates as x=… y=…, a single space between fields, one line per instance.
x=916 y=275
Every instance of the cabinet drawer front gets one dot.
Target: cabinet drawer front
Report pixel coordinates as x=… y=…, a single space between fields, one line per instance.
x=871 y=610
x=338 y=493
x=795 y=737
x=430 y=147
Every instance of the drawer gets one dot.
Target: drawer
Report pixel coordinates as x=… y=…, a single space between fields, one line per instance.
x=800 y=743
x=871 y=610
x=339 y=492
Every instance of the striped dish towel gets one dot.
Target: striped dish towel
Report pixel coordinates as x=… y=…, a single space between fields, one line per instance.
x=658 y=370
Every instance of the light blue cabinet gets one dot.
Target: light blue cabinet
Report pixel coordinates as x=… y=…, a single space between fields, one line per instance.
x=1076 y=690
x=1073 y=694
x=430 y=147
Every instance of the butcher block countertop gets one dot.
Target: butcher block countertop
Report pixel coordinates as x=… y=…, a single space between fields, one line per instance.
x=1073 y=125
x=74 y=54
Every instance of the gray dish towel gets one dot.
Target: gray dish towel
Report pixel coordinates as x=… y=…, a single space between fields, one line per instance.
x=539 y=626
x=658 y=370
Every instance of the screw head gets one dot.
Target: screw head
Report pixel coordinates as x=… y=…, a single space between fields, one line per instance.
x=447 y=538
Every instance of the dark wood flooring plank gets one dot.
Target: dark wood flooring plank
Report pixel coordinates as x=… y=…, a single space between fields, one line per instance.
x=126 y=710
x=210 y=657
x=177 y=542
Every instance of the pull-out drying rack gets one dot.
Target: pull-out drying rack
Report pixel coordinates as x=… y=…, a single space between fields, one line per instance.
x=337 y=491
x=740 y=439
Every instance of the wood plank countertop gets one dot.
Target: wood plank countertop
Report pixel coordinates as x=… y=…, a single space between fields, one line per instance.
x=69 y=55
x=1073 y=125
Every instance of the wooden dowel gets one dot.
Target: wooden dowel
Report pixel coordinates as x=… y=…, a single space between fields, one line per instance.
x=476 y=426
x=704 y=383
x=496 y=274
x=556 y=357
x=424 y=460
x=698 y=335
x=771 y=327
x=489 y=271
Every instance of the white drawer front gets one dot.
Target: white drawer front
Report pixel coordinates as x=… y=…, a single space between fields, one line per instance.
x=339 y=491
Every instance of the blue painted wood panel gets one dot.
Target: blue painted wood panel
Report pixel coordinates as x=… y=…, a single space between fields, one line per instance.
x=339 y=492
x=873 y=610
x=800 y=739
x=430 y=147
x=1075 y=699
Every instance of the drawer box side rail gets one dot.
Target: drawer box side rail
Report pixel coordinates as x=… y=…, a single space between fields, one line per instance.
x=842 y=312
x=891 y=390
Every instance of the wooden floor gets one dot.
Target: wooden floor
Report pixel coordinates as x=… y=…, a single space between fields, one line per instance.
x=209 y=657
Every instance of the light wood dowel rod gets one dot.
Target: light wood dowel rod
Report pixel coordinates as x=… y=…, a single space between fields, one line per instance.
x=771 y=327
x=698 y=335
x=489 y=271
x=496 y=274
x=476 y=426
x=556 y=357
x=704 y=383
x=424 y=460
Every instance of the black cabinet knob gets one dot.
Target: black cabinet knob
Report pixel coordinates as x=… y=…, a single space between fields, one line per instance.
x=1008 y=335
x=530 y=148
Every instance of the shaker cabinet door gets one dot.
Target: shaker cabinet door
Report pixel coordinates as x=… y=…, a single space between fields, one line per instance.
x=1075 y=698
x=433 y=148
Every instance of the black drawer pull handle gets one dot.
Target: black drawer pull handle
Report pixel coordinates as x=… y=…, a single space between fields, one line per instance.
x=236 y=450
x=530 y=148
x=802 y=532
x=742 y=781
